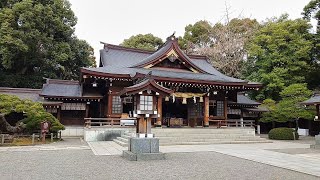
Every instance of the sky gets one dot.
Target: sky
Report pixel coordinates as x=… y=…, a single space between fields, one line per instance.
x=112 y=21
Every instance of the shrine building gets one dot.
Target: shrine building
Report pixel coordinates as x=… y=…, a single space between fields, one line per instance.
x=167 y=87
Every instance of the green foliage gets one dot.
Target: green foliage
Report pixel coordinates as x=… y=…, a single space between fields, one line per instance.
x=283 y=134
x=312 y=9
x=280 y=55
x=198 y=34
x=289 y=107
x=223 y=44
x=143 y=41
x=37 y=39
x=35 y=113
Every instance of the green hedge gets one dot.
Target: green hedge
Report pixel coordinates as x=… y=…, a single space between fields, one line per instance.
x=283 y=134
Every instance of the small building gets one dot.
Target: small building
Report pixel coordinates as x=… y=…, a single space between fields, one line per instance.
x=314 y=126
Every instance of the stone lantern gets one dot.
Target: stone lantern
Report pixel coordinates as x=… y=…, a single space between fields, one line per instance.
x=147 y=100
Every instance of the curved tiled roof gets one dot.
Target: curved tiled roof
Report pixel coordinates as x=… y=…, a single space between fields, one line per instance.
x=312 y=101
x=118 y=60
x=165 y=74
x=144 y=86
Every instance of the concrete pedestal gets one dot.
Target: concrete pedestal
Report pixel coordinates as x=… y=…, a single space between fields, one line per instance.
x=317 y=145
x=143 y=149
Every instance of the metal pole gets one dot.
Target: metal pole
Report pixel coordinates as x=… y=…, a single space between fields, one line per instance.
x=33 y=136
x=51 y=137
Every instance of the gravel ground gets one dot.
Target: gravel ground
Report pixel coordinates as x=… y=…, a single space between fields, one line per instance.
x=82 y=164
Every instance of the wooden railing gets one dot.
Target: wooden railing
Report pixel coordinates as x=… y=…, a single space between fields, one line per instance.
x=89 y=122
x=237 y=123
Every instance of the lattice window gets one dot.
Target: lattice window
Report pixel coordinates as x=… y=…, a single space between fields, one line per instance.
x=220 y=108
x=146 y=103
x=116 y=105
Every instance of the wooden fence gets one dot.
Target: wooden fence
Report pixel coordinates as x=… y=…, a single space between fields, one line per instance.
x=89 y=122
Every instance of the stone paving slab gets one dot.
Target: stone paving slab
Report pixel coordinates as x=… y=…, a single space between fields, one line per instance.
x=263 y=153
x=42 y=148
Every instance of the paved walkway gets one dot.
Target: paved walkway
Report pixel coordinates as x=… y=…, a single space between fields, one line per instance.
x=261 y=152
x=66 y=144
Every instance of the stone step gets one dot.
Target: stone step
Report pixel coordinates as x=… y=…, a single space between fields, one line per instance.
x=203 y=130
x=207 y=140
x=121 y=143
x=207 y=143
x=126 y=136
x=123 y=139
x=203 y=135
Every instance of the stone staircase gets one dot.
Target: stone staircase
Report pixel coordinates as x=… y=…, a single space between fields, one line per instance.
x=199 y=136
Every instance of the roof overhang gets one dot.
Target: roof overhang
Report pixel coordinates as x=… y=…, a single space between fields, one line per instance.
x=147 y=84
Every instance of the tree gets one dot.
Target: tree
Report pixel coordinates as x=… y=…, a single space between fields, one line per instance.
x=196 y=36
x=279 y=55
x=289 y=107
x=313 y=8
x=143 y=41
x=224 y=44
x=34 y=115
x=37 y=40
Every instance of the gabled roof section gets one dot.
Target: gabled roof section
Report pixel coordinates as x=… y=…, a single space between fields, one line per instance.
x=169 y=49
x=55 y=88
x=244 y=100
x=314 y=100
x=26 y=93
x=114 y=55
x=146 y=84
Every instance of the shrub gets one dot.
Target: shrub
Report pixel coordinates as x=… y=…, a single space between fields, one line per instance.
x=283 y=134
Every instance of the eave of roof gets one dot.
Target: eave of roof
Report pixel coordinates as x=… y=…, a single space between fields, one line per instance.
x=146 y=85
x=170 y=44
x=315 y=100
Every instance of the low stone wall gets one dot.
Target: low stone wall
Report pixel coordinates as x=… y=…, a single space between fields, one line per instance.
x=104 y=134
x=72 y=131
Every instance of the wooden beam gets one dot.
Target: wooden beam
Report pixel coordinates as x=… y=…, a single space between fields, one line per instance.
x=206 y=112
x=87 y=110
x=109 y=105
x=225 y=109
x=159 y=109
x=59 y=113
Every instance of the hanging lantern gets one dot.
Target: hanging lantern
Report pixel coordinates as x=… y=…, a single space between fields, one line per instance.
x=194 y=99
x=201 y=99
x=173 y=98
x=167 y=98
x=184 y=101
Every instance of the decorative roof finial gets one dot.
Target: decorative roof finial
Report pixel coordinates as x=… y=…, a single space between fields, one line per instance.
x=172 y=37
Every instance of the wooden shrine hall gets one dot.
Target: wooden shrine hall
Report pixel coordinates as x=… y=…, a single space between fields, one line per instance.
x=165 y=87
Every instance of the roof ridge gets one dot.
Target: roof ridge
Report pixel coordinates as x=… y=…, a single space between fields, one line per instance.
x=22 y=90
x=196 y=56
x=119 y=47
x=60 y=81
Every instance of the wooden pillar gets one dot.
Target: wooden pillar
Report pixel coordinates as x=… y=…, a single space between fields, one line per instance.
x=59 y=113
x=87 y=110
x=206 y=112
x=159 y=109
x=109 y=105
x=225 y=109
x=148 y=125
x=241 y=117
x=142 y=125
